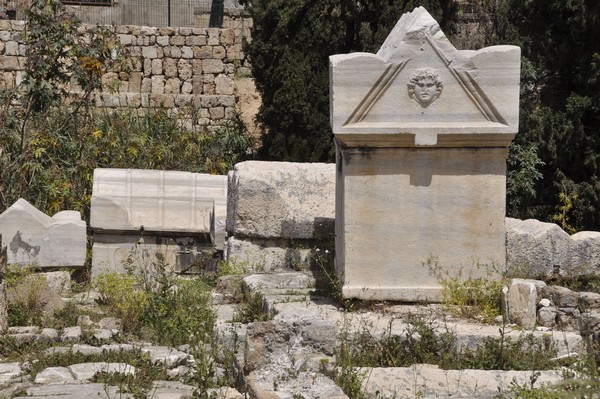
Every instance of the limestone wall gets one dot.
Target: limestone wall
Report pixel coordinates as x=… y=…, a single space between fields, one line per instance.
x=177 y=69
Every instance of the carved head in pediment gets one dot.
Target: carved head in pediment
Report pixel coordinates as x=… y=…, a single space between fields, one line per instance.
x=425 y=86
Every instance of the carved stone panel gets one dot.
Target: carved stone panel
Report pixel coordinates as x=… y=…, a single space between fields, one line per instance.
x=419 y=90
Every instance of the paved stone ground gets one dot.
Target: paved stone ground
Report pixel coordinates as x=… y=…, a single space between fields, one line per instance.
x=285 y=357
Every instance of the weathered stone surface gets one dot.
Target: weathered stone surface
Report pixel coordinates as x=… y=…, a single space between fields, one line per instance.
x=266 y=255
x=421 y=132
x=71 y=334
x=535 y=247
x=547 y=316
x=153 y=200
x=586 y=256
x=287 y=383
x=589 y=301
x=34 y=288
x=522 y=302
x=59 y=282
x=8 y=371
x=218 y=221
x=429 y=381
x=86 y=371
x=166 y=356
x=111 y=252
x=54 y=375
x=280 y=199
x=281 y=282
x=32 y=237
x=75 y=391
x=561 y=297
x=171 y=390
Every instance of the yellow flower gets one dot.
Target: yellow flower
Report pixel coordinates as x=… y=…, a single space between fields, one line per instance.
x=97 y=134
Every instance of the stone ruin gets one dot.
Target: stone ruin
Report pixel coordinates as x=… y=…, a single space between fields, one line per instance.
x=33 y=238
x=421 y=131
x=137 y=213
x=277 y=212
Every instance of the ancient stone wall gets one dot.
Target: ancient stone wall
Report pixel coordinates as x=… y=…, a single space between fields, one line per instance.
x=178 y=69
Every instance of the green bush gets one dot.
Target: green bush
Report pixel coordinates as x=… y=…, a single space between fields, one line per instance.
x=124 y=296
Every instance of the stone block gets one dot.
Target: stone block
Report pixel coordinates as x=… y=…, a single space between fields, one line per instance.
x=87 y=371
x=157 y=68
x=266 y=254
x=212 y=66
x=534 y=248
x=153 y=200
x=280 y=199
x=562 y=297
x=54 y=375
x=185 y=69
x=158 y=84
x=11 y=63
x=187 y=52
x=589 y=301
x=522 y=302
x=429 y=381
x=213 y=36
x=203 y=52
x=586 y=255
x=172 y=86
x=32 y=237
x=149 y=52
x=11 y=48
x=224 y=85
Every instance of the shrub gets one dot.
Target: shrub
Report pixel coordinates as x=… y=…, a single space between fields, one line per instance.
x=124 y=296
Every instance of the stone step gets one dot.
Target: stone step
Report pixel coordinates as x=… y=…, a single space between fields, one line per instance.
x=428 y=381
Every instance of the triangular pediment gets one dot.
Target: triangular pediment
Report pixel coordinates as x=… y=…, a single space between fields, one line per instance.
x=419 y=84
x=390 y=103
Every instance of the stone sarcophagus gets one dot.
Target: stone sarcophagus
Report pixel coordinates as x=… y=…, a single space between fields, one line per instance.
x=137 y=214
x=421 y=131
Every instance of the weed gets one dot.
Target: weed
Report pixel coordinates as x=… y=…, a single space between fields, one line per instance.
x=232 y=267
x=124 y=296
x=473 y=298
x=252 y=310
x=467 y=296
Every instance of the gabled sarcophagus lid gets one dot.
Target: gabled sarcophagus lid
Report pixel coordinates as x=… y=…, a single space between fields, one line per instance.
x=418 y=90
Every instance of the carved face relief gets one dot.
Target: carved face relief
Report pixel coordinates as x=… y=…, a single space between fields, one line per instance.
x=425 y=86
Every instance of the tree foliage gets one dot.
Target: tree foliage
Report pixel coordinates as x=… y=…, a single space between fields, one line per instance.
x=560 y=106
x=291 y=43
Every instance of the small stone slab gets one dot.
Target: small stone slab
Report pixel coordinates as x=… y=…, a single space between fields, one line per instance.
x=262 y=385
x=288 y=281
x=429 y=381
x=164 y=355
x=75 y=391
x=521 y=300
x=86 y=371
x=171 y=390
x=71 y=334
x=54 y=375
x=8 y=371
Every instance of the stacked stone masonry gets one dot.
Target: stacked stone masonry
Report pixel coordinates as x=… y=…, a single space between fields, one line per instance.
x=177 y=69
